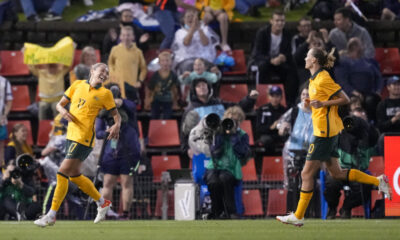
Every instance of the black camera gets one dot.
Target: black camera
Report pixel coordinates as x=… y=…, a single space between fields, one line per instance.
x=355 y=126
x=212 y=121
x=228 y=125
x=16 y=173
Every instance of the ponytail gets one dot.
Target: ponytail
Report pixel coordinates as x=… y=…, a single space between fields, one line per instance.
x=324 y=59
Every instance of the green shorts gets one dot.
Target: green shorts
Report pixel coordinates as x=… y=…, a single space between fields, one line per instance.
x=76 y=150
x=323 y=149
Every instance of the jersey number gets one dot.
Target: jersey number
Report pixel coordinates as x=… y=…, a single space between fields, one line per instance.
x=81 y=102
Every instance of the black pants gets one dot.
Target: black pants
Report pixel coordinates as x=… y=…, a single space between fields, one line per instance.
x=10 y=206
x=353 y=198
x=221 y=185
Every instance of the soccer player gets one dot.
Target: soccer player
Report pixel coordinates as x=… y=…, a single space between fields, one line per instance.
x=325 y=97
x=86 y=98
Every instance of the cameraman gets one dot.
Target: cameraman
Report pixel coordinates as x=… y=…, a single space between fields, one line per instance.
x=17 y=197
x=230 y=150
x=356 y=146
x=120 y=157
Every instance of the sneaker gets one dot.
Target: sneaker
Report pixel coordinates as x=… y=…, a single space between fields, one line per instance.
x=102 y=211
x=44 y=221
x=384 y=186
x=291 y=219
x=33 y=18
x=88 y=2
x=52 y=17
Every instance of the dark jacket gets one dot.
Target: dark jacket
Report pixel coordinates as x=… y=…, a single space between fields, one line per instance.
x=262 y=44
x=266 y=116
x=385 y=111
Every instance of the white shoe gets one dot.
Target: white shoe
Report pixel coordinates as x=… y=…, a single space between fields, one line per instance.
x=102 y=211
x=88 y=2
x=384 y=186
x=291 y=219
x=44 y=221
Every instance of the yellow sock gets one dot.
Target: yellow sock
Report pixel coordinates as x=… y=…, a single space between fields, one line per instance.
x=355 y=175
x=305 y=197
x=86 y=186
x=60 y=192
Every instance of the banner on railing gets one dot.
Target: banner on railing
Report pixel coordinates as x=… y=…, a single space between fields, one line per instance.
x=392 y=170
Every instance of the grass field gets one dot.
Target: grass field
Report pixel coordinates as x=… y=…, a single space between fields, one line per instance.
x=207 y=230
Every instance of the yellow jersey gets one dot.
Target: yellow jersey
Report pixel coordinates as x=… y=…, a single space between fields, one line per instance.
x=326 y=120
x=85 y=103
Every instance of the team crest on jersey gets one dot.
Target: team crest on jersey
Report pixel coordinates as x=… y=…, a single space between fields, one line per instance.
x=96 y=98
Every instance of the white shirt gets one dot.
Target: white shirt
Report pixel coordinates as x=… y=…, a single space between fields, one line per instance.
x=275 y=42
x=5 y=93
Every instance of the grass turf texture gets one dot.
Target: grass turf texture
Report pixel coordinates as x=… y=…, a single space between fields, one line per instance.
x=207 y=230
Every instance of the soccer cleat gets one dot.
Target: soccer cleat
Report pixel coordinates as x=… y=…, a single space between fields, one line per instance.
x=291 y=219
x=384 y=186
x=102 y=211
x=44 y=221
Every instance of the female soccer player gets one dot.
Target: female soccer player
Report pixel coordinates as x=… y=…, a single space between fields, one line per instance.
x=325 y=97
x=86 y=98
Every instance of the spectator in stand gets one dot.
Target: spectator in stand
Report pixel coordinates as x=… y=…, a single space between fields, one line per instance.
x=267 y=121
x=356 y=146
x=273 y=55
x=345 y=29
x=18 y=144
x=51 y=87
x=54 y=9
x=5 y=107
x=360 y=76
x=164 y=88
x=193 y=40
x=168 y=16
x=304 y=27
x=82 y=70
x=388 y=111
x=113 y=35
x=391 y=10
x=127 y=65
x=249 y=7
x=222 y=11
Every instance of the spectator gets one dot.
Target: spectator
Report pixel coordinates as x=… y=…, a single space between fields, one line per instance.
x=360 y=76
x=345 y=29
x=193 y=40
x=222 y=11
x=54 y=9
x=164 y=88
x=18 y=144
x=267 y=121
x=17 y=194
x=388 y=111
x=120 y=158
x=127 y=65
x=5 y=107
x=82 y=70
x=273 y=55
x=324 y=9
x=249 y=7
x=51 y=87
x=113 y=35
x=304 y=28
x=168 y=16
x=391 y=10
x=230 y=151
x=356 y=146
x=199 y=71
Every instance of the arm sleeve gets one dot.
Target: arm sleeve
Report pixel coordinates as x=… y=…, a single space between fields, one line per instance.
x=108 y=101
x=342 y=76
x=9 y=153
x=143 y=67
x=100 y=128
x=330 y=87
x=384 y=122
x=70 y=91
x=9 y=96
x=241 y=146
x=111 y=61
x=247 y=104
x=369 y=51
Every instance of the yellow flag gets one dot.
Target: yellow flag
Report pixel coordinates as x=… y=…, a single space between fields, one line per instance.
x=62 y=52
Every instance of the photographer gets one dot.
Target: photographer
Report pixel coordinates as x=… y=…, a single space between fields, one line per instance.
x=230 y=150
x=120 y=156
x=17 y=196
x=356 y=146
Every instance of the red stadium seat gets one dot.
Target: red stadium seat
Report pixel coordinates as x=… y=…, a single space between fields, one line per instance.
x=252 y=203
x=27 y=123
x=276 y=202
x=78 y=53
x=376 y=165
x=246 y=126
x=161 y=164
x=263 y=99
x=272 y=169
x=389 y=60
x=171 y=205
x=163 y=133
x=233 y=92
x=150 y=54
x=249 y=171
x=240 y=67
x=21 y=98
x=45 y=127
x=12 y=64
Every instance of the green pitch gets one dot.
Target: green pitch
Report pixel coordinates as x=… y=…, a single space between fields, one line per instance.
x=207 y=230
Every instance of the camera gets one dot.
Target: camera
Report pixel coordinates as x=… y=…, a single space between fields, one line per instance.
x=23 y=165
x=355 y=126
x=212 y=121
x=228 y=126
x=16 y=173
